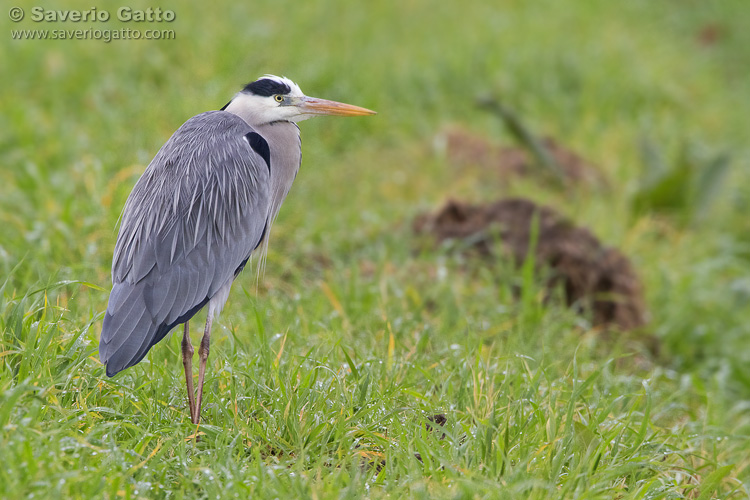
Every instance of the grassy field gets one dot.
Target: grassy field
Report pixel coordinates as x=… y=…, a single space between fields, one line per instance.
x=325 y=373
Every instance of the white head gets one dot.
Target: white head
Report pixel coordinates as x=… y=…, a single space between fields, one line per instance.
x=274 y=98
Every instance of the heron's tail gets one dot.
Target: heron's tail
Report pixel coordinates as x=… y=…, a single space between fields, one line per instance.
x=139 y=315
x=129 y=329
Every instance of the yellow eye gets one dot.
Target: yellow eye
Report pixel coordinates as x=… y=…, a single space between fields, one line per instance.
x=279 y=98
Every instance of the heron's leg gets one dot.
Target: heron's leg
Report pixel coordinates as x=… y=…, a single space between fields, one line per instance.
x=187 y=361
x=203 y=357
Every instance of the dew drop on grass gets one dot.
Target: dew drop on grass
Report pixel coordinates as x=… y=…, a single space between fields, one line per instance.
x=442 y=273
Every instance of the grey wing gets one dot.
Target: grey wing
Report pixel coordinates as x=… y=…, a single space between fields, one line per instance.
x=188 y=227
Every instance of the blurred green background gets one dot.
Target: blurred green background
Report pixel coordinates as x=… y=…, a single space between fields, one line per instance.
x=325 y=369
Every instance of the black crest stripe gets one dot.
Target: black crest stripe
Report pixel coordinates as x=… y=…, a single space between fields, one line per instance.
x=260 y=146
x=266 y=87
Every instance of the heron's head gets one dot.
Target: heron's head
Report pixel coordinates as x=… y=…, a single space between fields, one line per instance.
x=273 y=98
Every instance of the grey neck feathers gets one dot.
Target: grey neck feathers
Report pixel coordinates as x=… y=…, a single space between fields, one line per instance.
x=285 y=145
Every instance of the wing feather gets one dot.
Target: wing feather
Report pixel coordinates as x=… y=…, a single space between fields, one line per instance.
x=194 y=216
x=118 y=319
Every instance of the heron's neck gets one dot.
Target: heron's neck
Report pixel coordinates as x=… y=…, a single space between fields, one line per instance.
x=283 y=140
x=285 y=146
x=247 y=113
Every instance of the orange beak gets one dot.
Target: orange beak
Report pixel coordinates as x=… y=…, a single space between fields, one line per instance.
x=315 y=106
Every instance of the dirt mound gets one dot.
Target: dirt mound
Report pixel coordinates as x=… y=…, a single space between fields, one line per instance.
x=710 y=34
x=465 y=149
x=594 y=277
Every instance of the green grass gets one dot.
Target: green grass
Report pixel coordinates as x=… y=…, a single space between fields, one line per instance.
x=324 y=374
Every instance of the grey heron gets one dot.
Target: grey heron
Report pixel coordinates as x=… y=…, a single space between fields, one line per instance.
x=203 y=205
